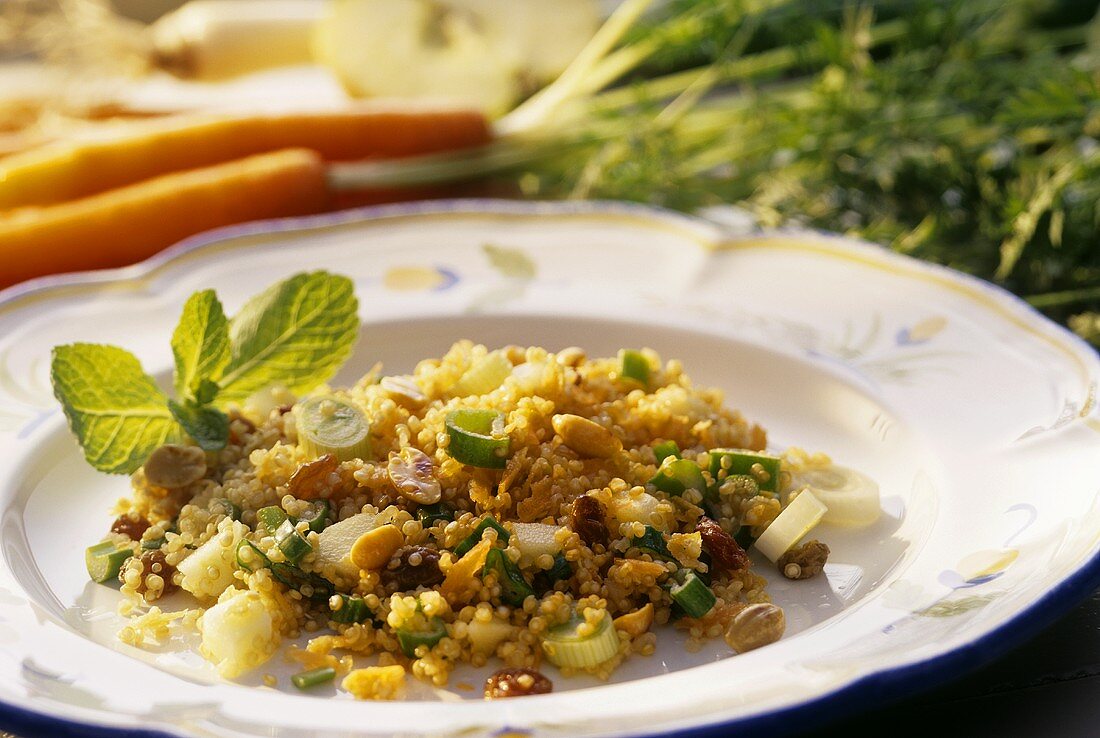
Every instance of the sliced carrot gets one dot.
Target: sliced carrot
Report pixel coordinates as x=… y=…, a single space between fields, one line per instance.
x=140 y=151
x=126 y=225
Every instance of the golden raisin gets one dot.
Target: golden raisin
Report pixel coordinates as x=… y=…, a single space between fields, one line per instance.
x=587 y=520
x=516 y=683
x=725 y=553
x=311 y=480
x=805 y=561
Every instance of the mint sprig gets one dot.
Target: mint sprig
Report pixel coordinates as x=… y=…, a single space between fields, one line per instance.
x=296 y=333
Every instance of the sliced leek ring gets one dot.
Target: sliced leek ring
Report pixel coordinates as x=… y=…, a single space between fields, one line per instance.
x=851 y=496
x=330 y=425
x=564 y=647
x=791 y=526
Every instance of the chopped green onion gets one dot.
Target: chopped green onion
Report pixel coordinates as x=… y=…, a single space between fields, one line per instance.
x=352 y=610
x=105 y=560
x=292 y=543
x=484 y=376
x=474 y=441
x=313 y=677
x=563 y=647
x=652 y=542
x=328 y=425
x=153 y=545
x=250 y=557
x=676 y=476
x=726 y=462
x=665 y=449
x=693 y=597
x=560 y=571
x=310 y=586
x=475 y=538
x=410 y=639
x=222 y=506
x=429 y=515
x=514 y=588
x=634 y=365
x=271 y=517
x=744 y=536
x=317 y=515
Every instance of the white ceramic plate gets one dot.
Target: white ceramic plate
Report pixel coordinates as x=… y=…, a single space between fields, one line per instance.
x=976 y=415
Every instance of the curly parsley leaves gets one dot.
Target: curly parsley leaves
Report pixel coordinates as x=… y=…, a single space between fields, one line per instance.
x=296 y=333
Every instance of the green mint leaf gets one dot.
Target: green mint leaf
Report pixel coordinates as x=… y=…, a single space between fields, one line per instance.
x=296 y=333
x=208 y=426
x=205 y=392
x=115 y=410
x=200 y=343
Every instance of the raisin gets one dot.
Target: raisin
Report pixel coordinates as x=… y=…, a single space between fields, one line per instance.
x=133 y=527
x=153 y=562
x=588 y=520
x=516 y=683
x=725 y=553
x=311 y=479
x=418 y=567
x=805 y=561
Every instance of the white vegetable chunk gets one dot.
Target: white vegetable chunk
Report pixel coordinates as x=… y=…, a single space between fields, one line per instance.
x=238 y=634
x=796 y=520
x=534 y=540
x=334 y=542
x=208 y=571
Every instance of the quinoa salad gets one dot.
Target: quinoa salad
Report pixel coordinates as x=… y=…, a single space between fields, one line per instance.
x=535 y=513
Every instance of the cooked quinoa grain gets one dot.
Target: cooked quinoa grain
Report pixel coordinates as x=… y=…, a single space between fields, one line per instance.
x=549 y=539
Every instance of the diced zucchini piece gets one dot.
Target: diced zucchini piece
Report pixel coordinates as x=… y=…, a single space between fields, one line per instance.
x=726 y=462
x=105 y=560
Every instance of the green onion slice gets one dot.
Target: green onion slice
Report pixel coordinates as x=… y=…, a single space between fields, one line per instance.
x=352 y=610
x=329 y=425
x=676 y=476
x=563 y=647
x=410 y=639
x=692 y=595
x=105 y=560
x=271 y=517
x=652 y=542
x=475 y=538
x=634 y=365
x=429 y=515
x=560 y=571
x=310 y=586
x=292 y=543
x=514 y=588
x=317 y=515
x=250 y=557
x=664 y=450
x=477 y=438
x=313 y=677
x=725 y=462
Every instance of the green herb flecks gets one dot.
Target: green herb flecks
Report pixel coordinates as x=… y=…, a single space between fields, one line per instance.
x=296 y=333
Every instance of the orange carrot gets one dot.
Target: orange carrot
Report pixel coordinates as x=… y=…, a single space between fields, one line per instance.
x=140 y=151
x=126 y=225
